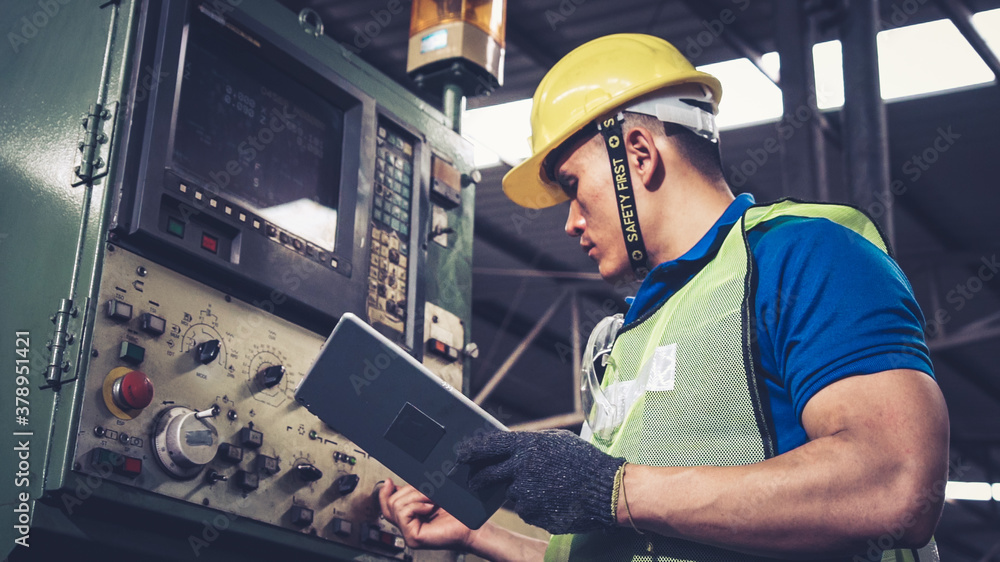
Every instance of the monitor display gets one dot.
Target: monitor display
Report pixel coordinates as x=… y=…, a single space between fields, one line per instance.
x=254 y=134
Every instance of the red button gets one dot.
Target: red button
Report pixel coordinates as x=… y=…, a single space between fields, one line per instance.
x=132 y=467
x=136 y=390
x=210 y=243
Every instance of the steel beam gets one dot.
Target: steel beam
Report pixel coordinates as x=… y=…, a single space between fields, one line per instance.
x=538 y=273
x=574 y=329
x=732 y=35
x=971 y=373
x=519 y=351
x=553 y=422
x=962 y=338
x=526 y=45
x=961 y=16
x=803 y=153
x=866 y=132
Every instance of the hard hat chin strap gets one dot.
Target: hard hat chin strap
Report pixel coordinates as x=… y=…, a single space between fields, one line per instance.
x=614 y=141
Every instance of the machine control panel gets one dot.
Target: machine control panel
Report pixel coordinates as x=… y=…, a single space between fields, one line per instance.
x=205 y=413
x=388 y=281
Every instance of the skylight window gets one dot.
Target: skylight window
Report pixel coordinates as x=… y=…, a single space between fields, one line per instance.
x=915 y=60
x=748 y=96
x=926 y=58
x=500 y=132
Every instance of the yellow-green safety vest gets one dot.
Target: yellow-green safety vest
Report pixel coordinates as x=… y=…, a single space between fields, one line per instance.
x=708 y=410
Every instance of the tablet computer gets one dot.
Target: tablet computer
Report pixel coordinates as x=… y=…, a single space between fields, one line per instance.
x=378 y=396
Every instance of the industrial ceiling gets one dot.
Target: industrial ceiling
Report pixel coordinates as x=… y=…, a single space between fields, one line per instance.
x=528 y=274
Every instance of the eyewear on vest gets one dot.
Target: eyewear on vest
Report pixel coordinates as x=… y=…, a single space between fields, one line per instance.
x=604 y=413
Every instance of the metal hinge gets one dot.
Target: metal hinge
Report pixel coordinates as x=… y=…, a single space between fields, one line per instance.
x=61 y=339
x=95 y=146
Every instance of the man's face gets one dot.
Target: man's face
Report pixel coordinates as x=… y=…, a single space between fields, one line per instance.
x=585 y=175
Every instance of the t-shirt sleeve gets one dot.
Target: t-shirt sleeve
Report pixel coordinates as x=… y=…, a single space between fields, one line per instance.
x=831 y=305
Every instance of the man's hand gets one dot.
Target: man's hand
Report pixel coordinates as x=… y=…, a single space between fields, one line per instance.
x=556 y=480
x=424 y=524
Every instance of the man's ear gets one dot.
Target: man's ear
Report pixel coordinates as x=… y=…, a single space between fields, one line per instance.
x=644 y=157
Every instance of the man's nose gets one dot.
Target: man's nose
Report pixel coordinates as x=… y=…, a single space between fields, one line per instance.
x=575 y=223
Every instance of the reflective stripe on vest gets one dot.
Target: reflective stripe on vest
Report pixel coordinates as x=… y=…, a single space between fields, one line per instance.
x=707 y=408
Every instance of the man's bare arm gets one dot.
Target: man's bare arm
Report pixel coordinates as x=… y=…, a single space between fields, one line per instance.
x=878 y=444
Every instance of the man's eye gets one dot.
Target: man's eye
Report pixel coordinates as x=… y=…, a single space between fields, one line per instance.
x=569 y=188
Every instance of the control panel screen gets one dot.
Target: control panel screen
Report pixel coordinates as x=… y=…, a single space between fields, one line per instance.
x=253 y=133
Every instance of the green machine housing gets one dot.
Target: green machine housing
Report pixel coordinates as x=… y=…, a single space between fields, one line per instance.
x=194 y=191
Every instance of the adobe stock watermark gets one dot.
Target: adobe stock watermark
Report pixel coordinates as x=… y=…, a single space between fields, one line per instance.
x=694 y=46
x=86 y=486
x=563 y=11
x=365 y=34
x=373 y=369
x=212 y=529
x=28 y=27
x=901 y=13
x=435 y=480
x=922 y=503
x=914 y=168
x=148 y=81
x=248 y=150
x=963 y=292
x=784 y=130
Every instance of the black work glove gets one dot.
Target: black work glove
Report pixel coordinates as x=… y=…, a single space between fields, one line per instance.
x=556 y=480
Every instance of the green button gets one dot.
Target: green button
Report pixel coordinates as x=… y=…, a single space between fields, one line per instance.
x=175 y=227
x=132 y=353
x=102 y=457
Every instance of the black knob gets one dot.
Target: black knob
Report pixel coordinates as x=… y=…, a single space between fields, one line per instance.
x=308 y=472
x=208 y=351
x=346 y=483
x=271 y=376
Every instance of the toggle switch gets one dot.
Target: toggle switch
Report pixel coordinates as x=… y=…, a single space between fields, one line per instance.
x=213 y=476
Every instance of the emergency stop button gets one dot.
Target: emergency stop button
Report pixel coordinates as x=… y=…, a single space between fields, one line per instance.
x=134 y=391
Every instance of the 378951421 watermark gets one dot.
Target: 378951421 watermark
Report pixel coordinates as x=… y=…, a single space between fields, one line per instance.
x=22 y=439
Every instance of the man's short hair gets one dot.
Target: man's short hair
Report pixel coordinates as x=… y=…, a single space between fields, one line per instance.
x=702 y=153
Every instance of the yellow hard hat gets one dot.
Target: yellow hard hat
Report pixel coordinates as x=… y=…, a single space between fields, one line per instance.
x=591 y=81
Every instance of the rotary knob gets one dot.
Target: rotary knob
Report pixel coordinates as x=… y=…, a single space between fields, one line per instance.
x=134 y=391
x=271 y=376
x=308 y=472
x=185 y=440
x=208 y=351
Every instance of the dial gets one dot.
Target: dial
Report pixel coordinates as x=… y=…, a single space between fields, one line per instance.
x=205 y=346
x=184 y=441
x=262 y=369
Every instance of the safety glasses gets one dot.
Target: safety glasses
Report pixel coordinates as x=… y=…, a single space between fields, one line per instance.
x=603 y=413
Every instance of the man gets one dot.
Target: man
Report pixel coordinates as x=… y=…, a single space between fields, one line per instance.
x=768 y=394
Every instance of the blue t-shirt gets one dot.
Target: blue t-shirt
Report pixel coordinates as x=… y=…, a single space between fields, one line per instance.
x=829 y=305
